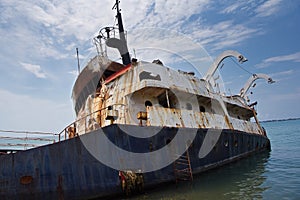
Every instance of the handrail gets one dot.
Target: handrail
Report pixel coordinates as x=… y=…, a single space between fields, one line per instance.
x=25 y=138
x=31 y=142
x=73 y=124
x=17 y=139
x=28 y=132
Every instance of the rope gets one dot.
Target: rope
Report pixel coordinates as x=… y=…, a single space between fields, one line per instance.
x=241 y=67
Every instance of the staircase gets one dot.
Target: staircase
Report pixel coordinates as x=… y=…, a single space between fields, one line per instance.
x=182 y=168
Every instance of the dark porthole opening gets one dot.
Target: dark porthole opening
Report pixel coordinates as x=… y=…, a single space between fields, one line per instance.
x=168 y=99
x=202 y=109
x=148 y=103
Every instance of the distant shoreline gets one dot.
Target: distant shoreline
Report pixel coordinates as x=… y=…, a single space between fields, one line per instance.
x=279 y=120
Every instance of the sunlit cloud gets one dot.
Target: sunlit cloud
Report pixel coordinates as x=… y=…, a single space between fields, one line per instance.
x=268 y=8
x=74 y=72
x=295 y=57
x=34 y=69
x=233 y=7
x=282 y=73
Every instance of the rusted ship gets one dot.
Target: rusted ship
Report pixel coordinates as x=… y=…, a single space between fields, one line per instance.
x=139 y=124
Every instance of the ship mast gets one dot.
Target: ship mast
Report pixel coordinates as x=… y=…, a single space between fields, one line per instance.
x=124 y=49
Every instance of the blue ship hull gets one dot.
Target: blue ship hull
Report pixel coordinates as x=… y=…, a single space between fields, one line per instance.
x=66 y=170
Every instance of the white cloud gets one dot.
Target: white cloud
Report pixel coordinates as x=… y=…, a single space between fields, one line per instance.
x=233 y=7
x=52 y=27
x=74 y=73
x=161 y=13
x=282 y=73
x=268 y=8
x=34 y=69
x=295 y=57
x=223 y=34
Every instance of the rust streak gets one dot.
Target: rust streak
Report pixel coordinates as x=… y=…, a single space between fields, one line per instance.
x=229 y=124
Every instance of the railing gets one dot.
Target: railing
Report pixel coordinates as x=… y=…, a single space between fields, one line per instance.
x=87 y=123
x=11 y=141
x=15 y=140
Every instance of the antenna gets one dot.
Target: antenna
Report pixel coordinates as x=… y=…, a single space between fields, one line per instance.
x=124 y=53
x=78 y=65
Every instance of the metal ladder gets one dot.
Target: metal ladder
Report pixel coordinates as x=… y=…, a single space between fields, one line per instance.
x=183 y=169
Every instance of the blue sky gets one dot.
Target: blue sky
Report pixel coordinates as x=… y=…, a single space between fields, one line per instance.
x=38 y=41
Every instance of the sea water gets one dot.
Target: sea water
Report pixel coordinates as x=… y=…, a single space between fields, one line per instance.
x=268 y=175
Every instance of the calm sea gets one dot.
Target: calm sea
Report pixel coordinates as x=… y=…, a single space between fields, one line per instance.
x=271 y=175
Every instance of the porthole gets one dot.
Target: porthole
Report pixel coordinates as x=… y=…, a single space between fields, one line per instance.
x=148 y=103
x=202 y=109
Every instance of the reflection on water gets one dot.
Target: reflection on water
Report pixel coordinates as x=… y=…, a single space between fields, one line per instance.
x=240 y=180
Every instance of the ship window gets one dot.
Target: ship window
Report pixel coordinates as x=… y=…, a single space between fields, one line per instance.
x=189 y=106
x=168 y=99
x=148 y=103
x=202 y=109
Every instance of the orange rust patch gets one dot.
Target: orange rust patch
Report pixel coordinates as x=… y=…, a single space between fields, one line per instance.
x=25 y=180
